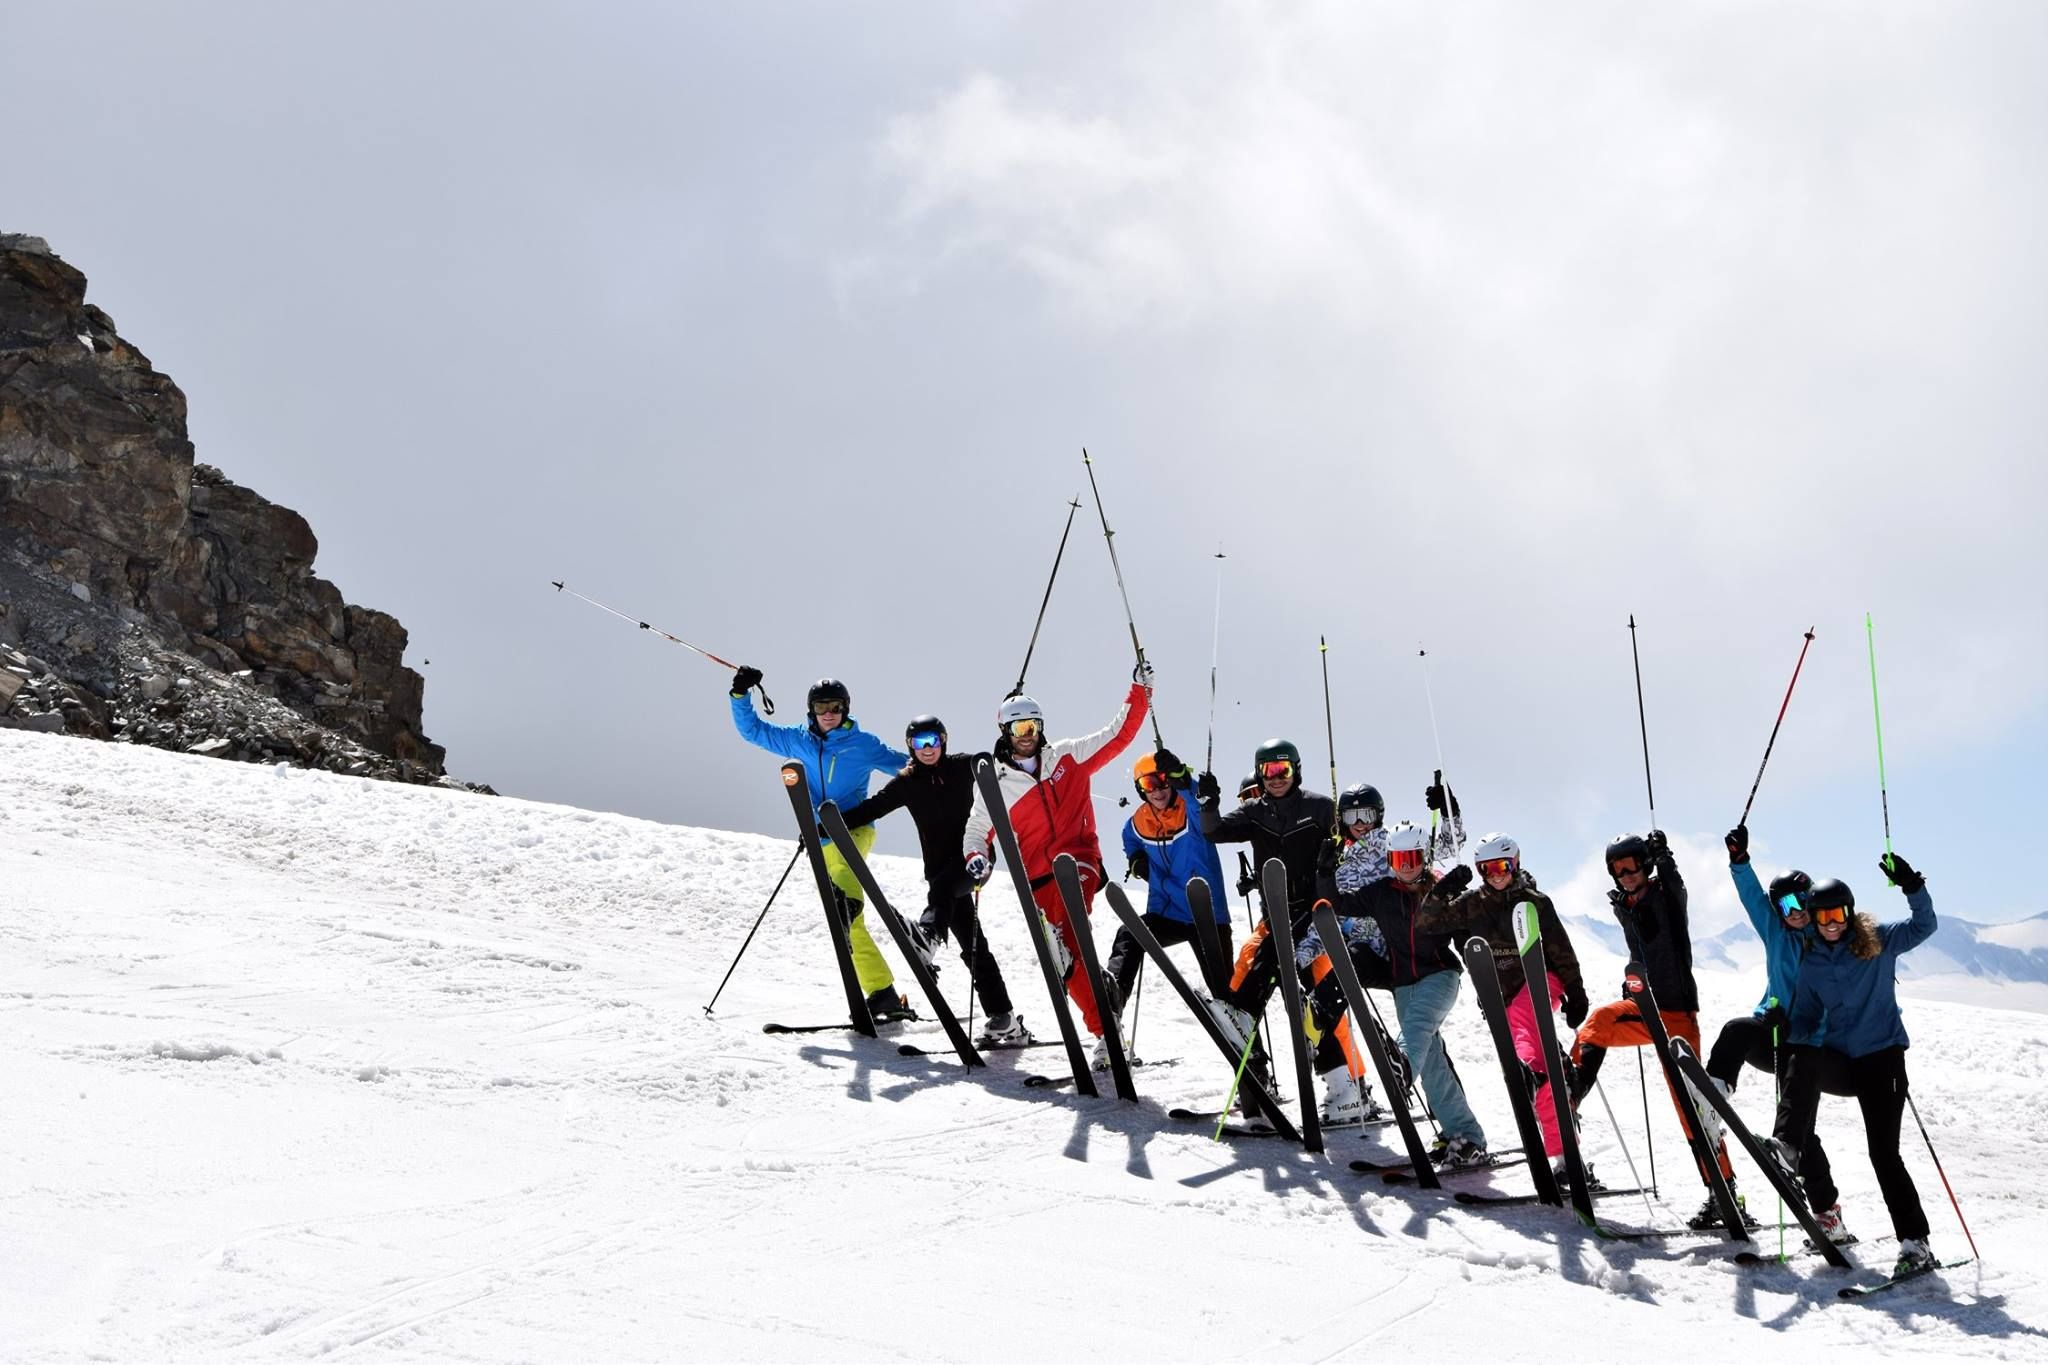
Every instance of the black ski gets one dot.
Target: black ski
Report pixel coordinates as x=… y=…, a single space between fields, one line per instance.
x=1864 y=1291
x=1486 y=989
x=913 y=1050
x=1149 y=941
x=991 y=789
x=1788 y=1188
x=799 y=788
x=1754 y=1257
x=1364 y=1026
x=1040 y=1082
x=1208 y=943
x=1696 y=1131
x=843 y=1026
x=1273 y=891
x=835 y=825
x=1475 y=1197
x=1066 y=873
x=1536 y=980
x=1401 y=1173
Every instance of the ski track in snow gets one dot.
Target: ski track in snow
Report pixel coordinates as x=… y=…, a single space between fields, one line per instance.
x=304 y=1066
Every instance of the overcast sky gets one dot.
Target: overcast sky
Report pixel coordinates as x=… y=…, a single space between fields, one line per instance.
x=1473 y=327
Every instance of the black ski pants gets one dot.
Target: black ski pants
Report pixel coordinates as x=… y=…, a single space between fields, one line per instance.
x=949 y=912
x=1878 y=1083
x=1125 y=956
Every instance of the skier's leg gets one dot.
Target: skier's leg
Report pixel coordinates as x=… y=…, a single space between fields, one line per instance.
x=1678 y=1024
x=974 y=951
x=1054 y=907
x=1733 y=1045
x=1614 y=1024
x=869 y=966
x=1422 y=1009
x=1529 y=1047
x=1880 y=1081
x=1798 y=1105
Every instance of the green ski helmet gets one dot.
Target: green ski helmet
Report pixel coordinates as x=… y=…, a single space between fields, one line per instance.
x=1274 y=751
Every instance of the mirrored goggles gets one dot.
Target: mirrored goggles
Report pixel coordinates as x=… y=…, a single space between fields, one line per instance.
x=1362 y=815
x=1405 y=859
x=1497 y=867
x=1154 y=782
x=1279 y=767
x=1020 y=729
x=1789 y=905
x=927 y=739
x=1831 y=914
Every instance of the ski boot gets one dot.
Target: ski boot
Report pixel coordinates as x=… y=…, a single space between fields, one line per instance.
x=1002 y=1031
x=887 y=1006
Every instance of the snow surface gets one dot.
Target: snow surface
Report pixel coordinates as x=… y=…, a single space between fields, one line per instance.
x=304 y=1065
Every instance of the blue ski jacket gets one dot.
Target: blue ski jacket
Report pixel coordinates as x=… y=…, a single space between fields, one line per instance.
x=837 y=762
x=1858 y=996
x=1783 y=949
x=1174 y=852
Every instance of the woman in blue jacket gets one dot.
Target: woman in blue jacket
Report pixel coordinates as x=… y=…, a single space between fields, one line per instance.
x=1849 y=979
x=838 y=758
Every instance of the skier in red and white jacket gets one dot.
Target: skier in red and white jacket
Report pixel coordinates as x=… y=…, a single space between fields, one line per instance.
x=1052 y=809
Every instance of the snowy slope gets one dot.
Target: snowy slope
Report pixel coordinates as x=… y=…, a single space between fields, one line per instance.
x=306 y=1066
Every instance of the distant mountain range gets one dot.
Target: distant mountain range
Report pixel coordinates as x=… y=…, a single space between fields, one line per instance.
x=2016 y=952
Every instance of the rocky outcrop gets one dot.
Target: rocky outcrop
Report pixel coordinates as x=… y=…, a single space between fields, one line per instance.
x=125 y=560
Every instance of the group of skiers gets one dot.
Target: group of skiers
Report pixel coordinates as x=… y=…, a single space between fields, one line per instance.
x=1829 y=1020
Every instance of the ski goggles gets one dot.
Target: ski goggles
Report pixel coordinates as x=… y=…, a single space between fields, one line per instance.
x=1020 y=729
x=1362 y=815
x=1831 y=914
x=927 y=739
x=1154 y=782
x=1617 y=871
x=1496 y=867
x=1789 y=905
x=1279 y=767
x=1406 y=859
x=828 y=708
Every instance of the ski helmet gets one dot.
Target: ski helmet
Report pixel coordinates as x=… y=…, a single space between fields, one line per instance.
x=1795 y=884
x=1364 y=796
x=827 y=689
x=1147 y=766
x=1832 y=894
x=1248 y=788
x=1495 y=846
x=1019 y=707
x=1407 y=837
x=1273 y=751
x=924 y=725
x=1629 y=846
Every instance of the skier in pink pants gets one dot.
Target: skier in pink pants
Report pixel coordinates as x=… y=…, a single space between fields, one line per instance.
x=1489 y=910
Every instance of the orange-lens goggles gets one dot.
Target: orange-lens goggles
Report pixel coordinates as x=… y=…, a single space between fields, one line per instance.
x=1154 y=782
x=1497 y=867
x=1831 y=914
x=1020 y=728
x=1405 y=859
x=1630 y=869
x=1279 y=767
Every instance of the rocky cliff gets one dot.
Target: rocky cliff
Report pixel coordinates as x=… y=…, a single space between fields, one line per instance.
x=150 y=598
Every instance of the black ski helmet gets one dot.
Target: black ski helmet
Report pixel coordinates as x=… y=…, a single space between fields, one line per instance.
x=1274 y=750
x=1248 y=788
x=1793 y=883
x=1629 y=846
x=925 y=725
x=827 y=689
x=1363 y=796
x=1831 y=894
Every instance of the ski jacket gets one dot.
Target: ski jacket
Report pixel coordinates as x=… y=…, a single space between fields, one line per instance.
x=1364 y=859
x=938 y=798
x=1490 y=913
x=1294 y=828
x=1176 y=852
x=1783 y=948
x=1858 y=997
x=837 y=762
x=1659 y=936
x=1052 y=810
x=1393 y=905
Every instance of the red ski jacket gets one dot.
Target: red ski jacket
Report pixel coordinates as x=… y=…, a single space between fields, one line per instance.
x=1053 y=810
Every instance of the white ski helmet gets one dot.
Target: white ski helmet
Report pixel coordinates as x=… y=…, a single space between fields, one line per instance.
x=1017 y=708
x=1407 y=837
x=1497 y=846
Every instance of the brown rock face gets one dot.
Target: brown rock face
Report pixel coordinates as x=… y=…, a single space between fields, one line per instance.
x=98 y=485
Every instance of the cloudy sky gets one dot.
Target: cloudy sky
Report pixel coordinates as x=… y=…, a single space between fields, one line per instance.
x=1471 y=328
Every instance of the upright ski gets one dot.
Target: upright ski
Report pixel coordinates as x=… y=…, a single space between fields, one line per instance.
x=1536 y=975
x=1696 y=1135
x=1067 y=873
x=1273 y=880
x=1006 y=841
x=1208 y=943
x=1781 y=1179
x=835 y=825
x=1261 y=1098
x=1332 y=934
x=799 y=789
x=1486 y=989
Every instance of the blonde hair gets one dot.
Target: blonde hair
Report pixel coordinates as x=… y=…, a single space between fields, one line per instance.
x=1864 y=943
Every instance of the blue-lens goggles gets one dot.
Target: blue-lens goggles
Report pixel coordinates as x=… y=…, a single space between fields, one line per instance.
x=1789 y=905
x=928 y=739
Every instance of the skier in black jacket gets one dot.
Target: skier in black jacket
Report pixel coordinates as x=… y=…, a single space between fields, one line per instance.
x=938 y=790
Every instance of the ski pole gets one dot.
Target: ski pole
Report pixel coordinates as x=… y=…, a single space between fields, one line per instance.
x=1330 y=734
x=1059 y=554
x=1626 y=1154
x=1649 y=1133
x=1236 y=1079
x=1109 y=539
x=766 y=705
x=1774 y=727
x=1215 y=649
x=1642 y=721
x=757 y=924
x=1884 y=801
x=1944 y=1176
x=1429 y=694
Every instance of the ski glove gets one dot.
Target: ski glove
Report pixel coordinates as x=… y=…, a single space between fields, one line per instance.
x=1141 y=867
x=745 y=681
x=1454 y=881
x=1900 y=873
x=1575 y=1006
x=1207 y=789
x=1142 y=675
x=1441 y=799
x=1660 y=847
x=1168 y=762
x=978 y=868
x=1737 y=840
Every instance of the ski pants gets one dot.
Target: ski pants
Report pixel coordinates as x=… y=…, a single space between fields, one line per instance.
x=1529 y=1047
x=1054 y=907
x=1619 y=1023
x=1257 y=976
x=949 y=912
x=1753 y=1040
x=870 y=968
x=1422 y=1008
x=1125 y=956
x=1878 y=1082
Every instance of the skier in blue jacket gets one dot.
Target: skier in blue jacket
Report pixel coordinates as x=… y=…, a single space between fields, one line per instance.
x=1850 y=979
x=838 y=758
x=1164 y=844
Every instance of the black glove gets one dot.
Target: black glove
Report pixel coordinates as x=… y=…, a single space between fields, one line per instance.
x=1901 y=873
x=1141 y=867
x=1737 y=840
x=1207 y=789
x=1660 y=847
x=1440 y=798
x=745 y=681
x=1575 y=1007
x=1454 y=881
x=1774 y=1019
x=1168 y=762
